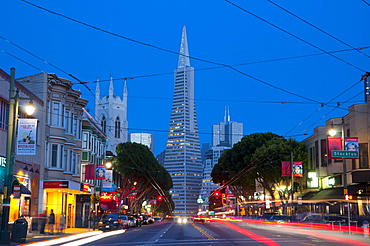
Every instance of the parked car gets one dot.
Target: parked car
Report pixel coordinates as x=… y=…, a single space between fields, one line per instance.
x=110 y=221
x=280 y=218
x=157 y=219
x=125 y=221
x=267 y=216
x=133 y=221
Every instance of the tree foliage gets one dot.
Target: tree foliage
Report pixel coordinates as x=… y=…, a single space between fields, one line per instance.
x=257 y=157
x=137 y=164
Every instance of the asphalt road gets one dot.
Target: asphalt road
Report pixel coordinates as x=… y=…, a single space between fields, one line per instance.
x=168 y=233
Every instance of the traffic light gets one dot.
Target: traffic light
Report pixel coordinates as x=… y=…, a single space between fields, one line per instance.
x=160 y=198
x=217 y=193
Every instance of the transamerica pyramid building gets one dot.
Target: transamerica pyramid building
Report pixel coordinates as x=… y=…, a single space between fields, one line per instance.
x=183 y=156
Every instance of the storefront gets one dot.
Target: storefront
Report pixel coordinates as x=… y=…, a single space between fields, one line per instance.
x=67 y=197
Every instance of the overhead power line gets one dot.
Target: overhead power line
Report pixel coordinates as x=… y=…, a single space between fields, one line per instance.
x=317 y=28
x=295 y=36
x=172 y=52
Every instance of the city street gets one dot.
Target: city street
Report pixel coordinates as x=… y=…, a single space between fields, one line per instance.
x=228 y=233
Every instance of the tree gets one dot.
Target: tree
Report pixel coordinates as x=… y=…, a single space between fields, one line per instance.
x=257 y=157
x=143 y=173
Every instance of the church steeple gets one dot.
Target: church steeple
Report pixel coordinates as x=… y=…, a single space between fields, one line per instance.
x=97 y=96
x=111 y=88
x=125 y=93
x=184 y=60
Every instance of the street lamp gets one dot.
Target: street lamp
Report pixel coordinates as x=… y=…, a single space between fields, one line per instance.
x=10 y=154
x=332 y=133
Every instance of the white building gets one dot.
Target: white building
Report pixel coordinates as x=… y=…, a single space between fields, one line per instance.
x=146 y=139
x=227 y=132
x=111 y=113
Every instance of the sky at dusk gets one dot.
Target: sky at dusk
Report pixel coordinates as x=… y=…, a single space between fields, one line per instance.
x=280 y=66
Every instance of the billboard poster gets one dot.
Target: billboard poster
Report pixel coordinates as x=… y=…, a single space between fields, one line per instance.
x=285 y=169
x=297 y=169
x=26 y=139
x=351 y=143
x=100 y=172
x=334 y=143
x=89 y=171
x=109 y=175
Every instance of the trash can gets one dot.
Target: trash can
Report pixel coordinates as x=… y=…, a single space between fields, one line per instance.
x=19 y=231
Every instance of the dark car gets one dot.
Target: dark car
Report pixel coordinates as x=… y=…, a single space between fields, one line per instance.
x=110 y=221
x=267 y=216
x=280 y=218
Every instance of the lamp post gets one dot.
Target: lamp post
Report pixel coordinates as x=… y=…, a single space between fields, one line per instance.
x=10 y=155
x=332 y=133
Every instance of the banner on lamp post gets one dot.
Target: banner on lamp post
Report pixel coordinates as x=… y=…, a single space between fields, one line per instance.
x=334 y=143
x=286 y=169
x=26 y=139
x=100 y=172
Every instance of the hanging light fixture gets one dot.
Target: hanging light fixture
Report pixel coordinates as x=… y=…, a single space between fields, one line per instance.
x=30 y=108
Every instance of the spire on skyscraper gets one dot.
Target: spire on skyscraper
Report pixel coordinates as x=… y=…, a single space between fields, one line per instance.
x=184 y=60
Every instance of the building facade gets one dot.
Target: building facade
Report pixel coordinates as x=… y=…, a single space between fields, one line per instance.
x=227 y=132
x=61 y=130
x=146 y=139
x=183 y=157
x=111 y=113
x=211 y=159
x=26 y=168
x=327 y=178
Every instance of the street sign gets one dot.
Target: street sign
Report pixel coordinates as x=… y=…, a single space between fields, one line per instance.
x=344 y=153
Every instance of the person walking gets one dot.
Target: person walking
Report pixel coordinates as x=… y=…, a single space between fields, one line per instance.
x=42 y=221
x=51 y=222
x=62 y=223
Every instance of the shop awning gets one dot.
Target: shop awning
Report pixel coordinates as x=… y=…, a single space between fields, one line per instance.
x=336 y=193
x=24 y=189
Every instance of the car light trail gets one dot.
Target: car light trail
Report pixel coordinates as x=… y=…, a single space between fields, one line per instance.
x=250 y=234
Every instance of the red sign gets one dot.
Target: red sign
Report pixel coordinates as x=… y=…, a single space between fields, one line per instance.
x=100 y=172
x=86 y=187
x=334 y=143
x=56 y=184
x=17 y=191
x=286 y=170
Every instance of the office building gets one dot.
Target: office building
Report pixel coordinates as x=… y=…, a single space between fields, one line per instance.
x=183 y=156
x=227 y=133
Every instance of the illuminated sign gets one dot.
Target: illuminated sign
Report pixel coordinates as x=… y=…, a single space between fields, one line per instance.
x=2 y=161
x=56 y=184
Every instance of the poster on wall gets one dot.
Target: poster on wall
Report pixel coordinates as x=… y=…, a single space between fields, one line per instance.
x=26 y=139
x=100 y=172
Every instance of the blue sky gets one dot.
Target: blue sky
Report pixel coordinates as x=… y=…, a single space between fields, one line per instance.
x=218 y=31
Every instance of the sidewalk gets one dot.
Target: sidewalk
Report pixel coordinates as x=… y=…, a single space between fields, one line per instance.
x=33 y=237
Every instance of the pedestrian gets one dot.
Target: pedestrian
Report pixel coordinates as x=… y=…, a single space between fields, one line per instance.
x=62 y=223
x=42 y=221
x=51 y=222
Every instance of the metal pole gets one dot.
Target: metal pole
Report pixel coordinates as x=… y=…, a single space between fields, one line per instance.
x=292 y=173
x=345 y=189
x=5 y=234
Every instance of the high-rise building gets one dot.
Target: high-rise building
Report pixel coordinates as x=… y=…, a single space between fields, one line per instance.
x=111 y=113
x=146 y=139
x=227 y=133
x=183 y=157
x=210 y=160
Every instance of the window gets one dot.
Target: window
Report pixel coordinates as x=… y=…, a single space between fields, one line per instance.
x=73 y=163
x=117 y=128
x=85 y=140
x=75 y=127
x=66 y=122
x=364 y=159
x=104 y=124
x=61 y=156
x=4 y=115
x=65 y=159
x=63 y=113
x=54 y=155
x=71 y=123
x=56 y=112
